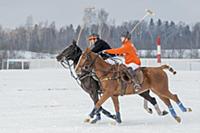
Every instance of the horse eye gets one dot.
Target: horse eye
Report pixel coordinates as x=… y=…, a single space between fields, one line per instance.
x=86 y=67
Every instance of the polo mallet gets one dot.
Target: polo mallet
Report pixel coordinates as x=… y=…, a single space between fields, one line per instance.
x=85 y=20
x=79 y=35
x=148 y=13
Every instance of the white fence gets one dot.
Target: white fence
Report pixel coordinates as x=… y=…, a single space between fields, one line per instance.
x=178 y=64
x=29 y=63
x=44 y=63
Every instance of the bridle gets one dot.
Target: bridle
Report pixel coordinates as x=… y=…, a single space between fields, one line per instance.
x=113 y=71
x=89 y=67
x=67 y=65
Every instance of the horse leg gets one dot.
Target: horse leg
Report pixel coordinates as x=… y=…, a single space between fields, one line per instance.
x=116 y=104
x=146 y=99
x=175 y=98
x=108 y=114
x=153 y=101
x=149 y=110
x=104 y=111
x=97 y=107
x=170 y=107
x=95 y=99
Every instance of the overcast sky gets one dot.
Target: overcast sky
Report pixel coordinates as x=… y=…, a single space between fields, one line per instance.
x=64 y=12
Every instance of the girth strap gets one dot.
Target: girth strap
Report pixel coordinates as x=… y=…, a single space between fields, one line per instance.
x=123 y=84
x=123 y=87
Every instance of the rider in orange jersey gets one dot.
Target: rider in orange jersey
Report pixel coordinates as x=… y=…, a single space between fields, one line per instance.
x=129 y=52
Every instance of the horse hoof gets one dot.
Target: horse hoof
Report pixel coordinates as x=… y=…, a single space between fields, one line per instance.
x=94 y=121
x=189 y=110
x=119 y=121
x=150 y=111
x=113 y=117
x=164 y=113
x=178 y=119
x=118 y=118
x=87 y=120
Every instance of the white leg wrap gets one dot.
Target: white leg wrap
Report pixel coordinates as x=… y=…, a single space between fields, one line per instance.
x=157 y=109
x=145 y=104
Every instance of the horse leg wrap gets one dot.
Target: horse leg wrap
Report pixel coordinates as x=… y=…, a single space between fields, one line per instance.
x=149 y=110
x=172 y=111
x=94 y=112
x=158 y=109
x=98 y=117
x=183 y=109
x=153 y=101
x=118 y=117
x=108 y=114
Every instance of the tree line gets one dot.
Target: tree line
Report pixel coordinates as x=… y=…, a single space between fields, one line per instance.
x=47 y=38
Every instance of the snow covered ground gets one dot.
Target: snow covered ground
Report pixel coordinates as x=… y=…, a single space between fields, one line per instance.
x=50 y=101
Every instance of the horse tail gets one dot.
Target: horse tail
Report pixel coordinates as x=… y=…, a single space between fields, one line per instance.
x=169 y=68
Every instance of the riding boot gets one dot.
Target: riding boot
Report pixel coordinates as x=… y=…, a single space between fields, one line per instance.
x=136 y=85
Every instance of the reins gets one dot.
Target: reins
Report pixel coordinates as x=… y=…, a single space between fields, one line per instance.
x=114 y=71
x=66 y=62
x=103 y=70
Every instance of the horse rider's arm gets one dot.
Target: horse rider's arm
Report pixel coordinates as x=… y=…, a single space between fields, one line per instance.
x=120 y=50
x=96 y=49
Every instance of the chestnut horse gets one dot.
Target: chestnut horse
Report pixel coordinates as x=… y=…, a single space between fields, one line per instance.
x=155 y=79
x=91 y=86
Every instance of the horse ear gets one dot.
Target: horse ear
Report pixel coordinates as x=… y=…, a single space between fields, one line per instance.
x=74 y=42
x=87 y=49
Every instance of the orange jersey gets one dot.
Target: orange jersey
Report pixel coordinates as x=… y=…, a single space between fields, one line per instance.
x=128 y=51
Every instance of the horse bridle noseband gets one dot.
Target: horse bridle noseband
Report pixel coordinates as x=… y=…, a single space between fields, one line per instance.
x=88 y=57
x=66 y=64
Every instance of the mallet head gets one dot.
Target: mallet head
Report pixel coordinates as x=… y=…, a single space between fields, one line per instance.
x=150 y=12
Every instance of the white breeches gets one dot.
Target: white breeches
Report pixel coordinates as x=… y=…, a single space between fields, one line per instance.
x=118 y=59
x=114 y=60
x=133 y=65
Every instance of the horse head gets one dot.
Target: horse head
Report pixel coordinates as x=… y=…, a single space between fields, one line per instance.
x=85 y=62
x=72 y=52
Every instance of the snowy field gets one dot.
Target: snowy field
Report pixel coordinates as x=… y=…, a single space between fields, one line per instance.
x=50 y=101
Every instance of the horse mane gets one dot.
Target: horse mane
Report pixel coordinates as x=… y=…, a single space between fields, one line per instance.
x=99 y=57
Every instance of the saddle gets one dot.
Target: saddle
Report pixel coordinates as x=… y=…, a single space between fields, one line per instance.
x=126 y=75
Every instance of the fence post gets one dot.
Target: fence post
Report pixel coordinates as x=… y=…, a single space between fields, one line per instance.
x=158 y=49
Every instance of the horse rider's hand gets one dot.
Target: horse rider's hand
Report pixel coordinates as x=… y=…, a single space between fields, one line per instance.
x=104 y=52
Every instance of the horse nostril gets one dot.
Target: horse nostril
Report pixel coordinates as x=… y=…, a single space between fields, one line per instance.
x=58 y=58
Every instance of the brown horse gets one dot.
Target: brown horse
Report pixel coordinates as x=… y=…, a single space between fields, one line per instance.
x=91 y=86
x=155 y=79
